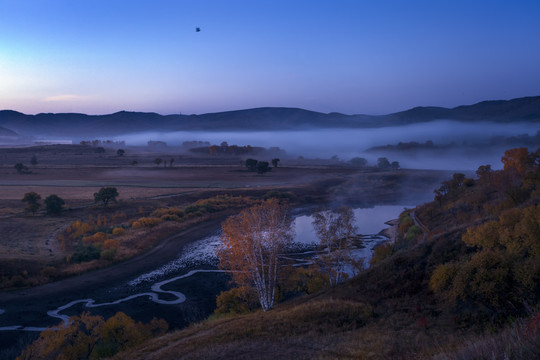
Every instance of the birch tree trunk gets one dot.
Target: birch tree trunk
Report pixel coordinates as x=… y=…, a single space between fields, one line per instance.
x=335 y=230
x=251 y=244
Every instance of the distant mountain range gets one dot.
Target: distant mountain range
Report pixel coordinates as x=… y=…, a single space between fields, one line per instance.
x=526 y=109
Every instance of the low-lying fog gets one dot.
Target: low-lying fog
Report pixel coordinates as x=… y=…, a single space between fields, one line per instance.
x=350 y=143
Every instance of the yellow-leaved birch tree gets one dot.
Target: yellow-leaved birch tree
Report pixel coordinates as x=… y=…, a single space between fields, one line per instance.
x=251 y=244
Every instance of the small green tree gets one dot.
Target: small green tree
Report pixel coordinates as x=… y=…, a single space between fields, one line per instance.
x=120 y=152
x=251 y=164
x=358 y=162
x=383 y=163
x=21 y=168
x=158 y=161
x=106 y=194
x=263 y=167
x=275 y=162
x=54 y=204
x=32 y=200
x=33 y=160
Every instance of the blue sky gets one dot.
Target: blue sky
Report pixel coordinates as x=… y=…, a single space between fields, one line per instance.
x=370 y=57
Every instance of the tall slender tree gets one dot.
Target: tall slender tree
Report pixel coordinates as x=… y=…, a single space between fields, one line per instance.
x=335 y=229
x=251 y=244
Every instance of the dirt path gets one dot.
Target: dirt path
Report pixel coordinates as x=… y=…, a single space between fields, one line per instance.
x=418 y=223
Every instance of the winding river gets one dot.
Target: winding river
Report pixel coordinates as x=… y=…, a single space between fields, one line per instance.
x=162 y=292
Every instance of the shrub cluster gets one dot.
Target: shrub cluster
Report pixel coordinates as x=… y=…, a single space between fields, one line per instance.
x=92 y=337
x=201 y=207
x=91 y=239
x=145 y=222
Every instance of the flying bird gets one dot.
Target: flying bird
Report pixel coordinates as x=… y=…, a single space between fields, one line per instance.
x=197 y=29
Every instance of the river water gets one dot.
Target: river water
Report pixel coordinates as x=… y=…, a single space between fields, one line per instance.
x=179 y=288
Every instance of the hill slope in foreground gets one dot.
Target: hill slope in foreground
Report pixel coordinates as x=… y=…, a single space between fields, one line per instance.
x=462 y=270
x=526 y=109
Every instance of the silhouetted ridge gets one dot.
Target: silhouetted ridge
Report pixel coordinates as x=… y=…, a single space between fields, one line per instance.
x=260 y=119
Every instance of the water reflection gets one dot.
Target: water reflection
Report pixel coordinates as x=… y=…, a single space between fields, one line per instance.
x=369 y=222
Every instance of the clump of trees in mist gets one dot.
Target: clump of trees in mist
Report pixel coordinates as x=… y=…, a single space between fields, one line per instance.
x=260 y=167
x=102 y=143
x=382 y=163
x=21 y=168
x=225 y=149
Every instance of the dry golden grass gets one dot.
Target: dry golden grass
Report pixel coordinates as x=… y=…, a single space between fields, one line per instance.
x=323 y=327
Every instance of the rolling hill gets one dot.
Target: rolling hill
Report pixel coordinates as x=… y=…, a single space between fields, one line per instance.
x=525 y=109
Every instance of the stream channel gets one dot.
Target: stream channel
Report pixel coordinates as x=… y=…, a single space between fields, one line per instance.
x=183 y=290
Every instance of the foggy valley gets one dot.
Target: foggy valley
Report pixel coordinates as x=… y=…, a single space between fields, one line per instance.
x=472 y=145
x=263 y=180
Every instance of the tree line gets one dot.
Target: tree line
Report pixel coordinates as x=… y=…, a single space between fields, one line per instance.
x=54 y=204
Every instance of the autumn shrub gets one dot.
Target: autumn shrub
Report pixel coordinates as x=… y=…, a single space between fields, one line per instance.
x=381 y=252
x=92 y=337
x=307 y=280
x=413 y=234
x=118 y=216
x=281 y=195
x=17 y=281
x=49 y=271
x=193 y=209
x=111 y=244
x=108 y=254
x=118 y=231
x=78 y=228
x=97 y=238
x=219 y=203
x=442 y=277
x=236 y=301
x=85 y=253
x=168 y=214
x=146 y=222
x=170 y=217
x=405 y=222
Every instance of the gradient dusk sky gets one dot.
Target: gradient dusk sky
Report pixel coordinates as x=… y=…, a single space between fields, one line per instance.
x=354 y=57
